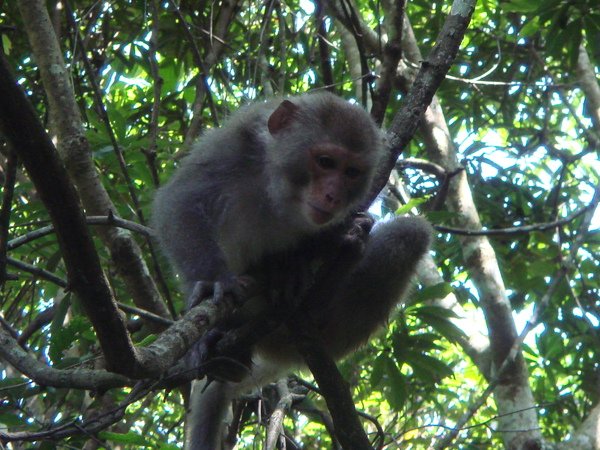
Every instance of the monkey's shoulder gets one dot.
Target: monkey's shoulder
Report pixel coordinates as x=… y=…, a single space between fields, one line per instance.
x=239 y=143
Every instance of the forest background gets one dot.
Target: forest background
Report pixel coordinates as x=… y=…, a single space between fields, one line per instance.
x=499 y=345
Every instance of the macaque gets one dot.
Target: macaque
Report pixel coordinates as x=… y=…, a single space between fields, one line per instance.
x=280 y=176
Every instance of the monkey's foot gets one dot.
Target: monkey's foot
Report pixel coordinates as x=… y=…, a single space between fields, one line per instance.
x=232 y=290
x=205 y=361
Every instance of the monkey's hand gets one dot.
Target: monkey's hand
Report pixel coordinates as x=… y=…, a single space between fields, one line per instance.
x=232 y=289
x=356 y=232
x=204 y=359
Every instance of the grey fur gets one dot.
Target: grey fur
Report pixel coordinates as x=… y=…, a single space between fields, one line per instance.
x=234 y=200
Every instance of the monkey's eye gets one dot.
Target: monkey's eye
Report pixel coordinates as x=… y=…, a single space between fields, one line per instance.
x=353 y=173
x=326 y=162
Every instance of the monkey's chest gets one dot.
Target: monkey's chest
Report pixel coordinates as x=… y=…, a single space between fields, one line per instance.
x=245 y=243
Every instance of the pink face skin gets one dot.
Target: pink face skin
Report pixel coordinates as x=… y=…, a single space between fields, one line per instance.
x=335 y=172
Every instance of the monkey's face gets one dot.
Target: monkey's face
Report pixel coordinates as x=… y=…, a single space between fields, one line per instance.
x=322 y=155
x=338 y=178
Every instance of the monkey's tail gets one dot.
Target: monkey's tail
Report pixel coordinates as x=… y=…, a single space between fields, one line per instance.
x=207 y=416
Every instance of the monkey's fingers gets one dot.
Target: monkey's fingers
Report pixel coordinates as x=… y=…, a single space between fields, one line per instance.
x=205 y=347
x=218 y=292
x=288 y=275
x=202 y=351
x=357 y=234
x=202 y=291
x=233 y=290
x=206 y=361
x=363 y=221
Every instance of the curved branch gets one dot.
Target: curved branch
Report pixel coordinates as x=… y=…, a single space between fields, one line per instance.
x=534 y=320
x=335 y=389
x=75 y=151
x=432 y=73
x=110 y=220
x=422 y=164
x=13 y=353
x=391 y=55
x=5 y=210
x=514 y=230
x=22 y=128
x=89 y=426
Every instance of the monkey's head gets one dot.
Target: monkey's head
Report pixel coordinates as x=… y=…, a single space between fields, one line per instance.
x=325 y=152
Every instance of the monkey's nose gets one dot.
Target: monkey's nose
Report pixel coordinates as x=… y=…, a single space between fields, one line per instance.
x=334 y=200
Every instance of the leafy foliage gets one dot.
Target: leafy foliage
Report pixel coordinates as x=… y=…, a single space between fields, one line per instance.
x=525 y=134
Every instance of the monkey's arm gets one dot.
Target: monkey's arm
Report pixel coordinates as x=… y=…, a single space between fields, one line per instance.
x=364 y=299
x=185 y=227
x=186 y=231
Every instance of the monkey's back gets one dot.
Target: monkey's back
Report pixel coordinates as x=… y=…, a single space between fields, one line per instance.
x=220 y=191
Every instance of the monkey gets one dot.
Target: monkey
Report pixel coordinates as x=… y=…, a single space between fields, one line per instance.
x=282 y=175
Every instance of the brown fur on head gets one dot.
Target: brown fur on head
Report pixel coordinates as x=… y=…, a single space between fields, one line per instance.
x=325 y=151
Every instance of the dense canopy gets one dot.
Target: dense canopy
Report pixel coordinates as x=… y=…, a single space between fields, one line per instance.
x=492 y=113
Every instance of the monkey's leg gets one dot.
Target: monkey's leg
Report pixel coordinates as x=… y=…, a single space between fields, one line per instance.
x=365 y=298
x=207 y=415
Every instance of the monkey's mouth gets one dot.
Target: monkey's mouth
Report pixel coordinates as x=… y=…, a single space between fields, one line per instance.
x=318 y=215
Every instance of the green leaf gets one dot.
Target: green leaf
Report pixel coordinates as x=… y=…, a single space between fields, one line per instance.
x=574 y=31
x=11 y=420
x=378 y=369
x=124 y=438
x=63 y=336
x=428 y=368
x=148 y=340
x=168 y=447
x=12 y=383
x=522 y=6
x=443 y=326
x=412 y=203
x=397 y=386
x=61 y=339
x=437 y=291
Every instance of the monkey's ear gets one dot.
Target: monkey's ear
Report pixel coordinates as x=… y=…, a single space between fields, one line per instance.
x=281 y=117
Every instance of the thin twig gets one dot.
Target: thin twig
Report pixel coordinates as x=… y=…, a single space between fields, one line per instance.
x=514 y=230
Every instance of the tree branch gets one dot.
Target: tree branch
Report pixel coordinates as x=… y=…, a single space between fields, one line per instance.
x=22 y=128
x=95 y=380
x=5 y=210
x=334 y=388
x=74 y=149
x=432 y=73
x=110 y=220
x=510 y=231
x=87 y=426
